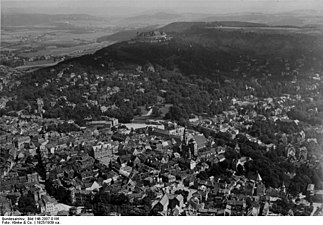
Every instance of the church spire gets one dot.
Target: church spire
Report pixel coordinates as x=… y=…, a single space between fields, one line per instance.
x=259 y=179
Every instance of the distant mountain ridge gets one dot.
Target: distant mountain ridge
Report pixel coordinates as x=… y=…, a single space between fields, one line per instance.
x=157 y=16
x=293 y=18
x=27 y=19
x=163 y=18
x=154 y=17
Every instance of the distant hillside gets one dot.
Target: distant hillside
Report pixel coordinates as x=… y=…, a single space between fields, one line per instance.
x=254 y=38
x=293 y=18
x=180 y=27
x=124 y=35
x=299 y=18
x=119 y=36
x=162 y=18
x=149 y=18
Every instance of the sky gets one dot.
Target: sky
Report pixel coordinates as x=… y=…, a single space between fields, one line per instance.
x=130 y=7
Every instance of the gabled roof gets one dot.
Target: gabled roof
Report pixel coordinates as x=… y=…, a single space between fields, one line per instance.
x=94 y=186
x=180 y=198
x=165 y=200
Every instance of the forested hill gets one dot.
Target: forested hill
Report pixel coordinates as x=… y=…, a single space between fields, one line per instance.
x=218 y=61
x=231 y=49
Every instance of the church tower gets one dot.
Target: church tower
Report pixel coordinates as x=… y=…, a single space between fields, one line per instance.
x=185 y=147
x=184 y=138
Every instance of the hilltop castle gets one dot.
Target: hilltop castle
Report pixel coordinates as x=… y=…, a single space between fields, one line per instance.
x=151 y=37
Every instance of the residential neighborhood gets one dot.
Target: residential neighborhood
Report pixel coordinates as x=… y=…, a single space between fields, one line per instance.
x=104 y=168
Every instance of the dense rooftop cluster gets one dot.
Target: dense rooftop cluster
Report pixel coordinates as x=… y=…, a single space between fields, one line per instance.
x=221 y=165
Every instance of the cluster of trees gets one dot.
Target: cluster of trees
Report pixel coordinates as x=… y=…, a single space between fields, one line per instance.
x=27 y=204
x=304 y=176
x=105 y=203
x=273 y=166
x=12 y=62
x=264 y=130
x=62 y=127
x=305 y=116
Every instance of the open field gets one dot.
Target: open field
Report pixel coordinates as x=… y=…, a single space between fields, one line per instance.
x=26 y=47
x=71 y=51
x=32 y=43
x=144 y=117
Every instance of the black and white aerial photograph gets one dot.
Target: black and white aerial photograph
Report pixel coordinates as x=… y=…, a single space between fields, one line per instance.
x=160 y=108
